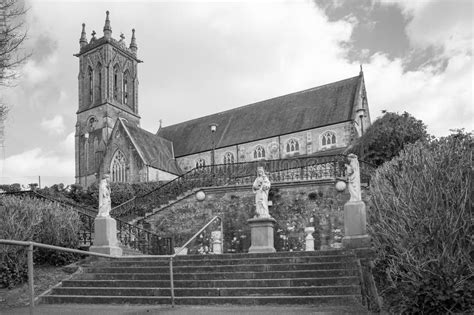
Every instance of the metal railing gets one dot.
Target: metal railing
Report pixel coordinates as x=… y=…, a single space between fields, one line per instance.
x=186 y=244
x=30 y=247
x=129 y=235
x=281 y=170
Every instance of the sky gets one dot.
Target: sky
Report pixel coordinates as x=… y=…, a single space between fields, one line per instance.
x=203 y=57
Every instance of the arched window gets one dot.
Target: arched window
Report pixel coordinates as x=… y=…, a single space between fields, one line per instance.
x=125 y=82
x=259 y=152
x=118 y=167
x=228 y=158
x=116 y=82
x=98 y=83
x=90 y=78
x=200 y=163
x=328 y=139
x=292 y=146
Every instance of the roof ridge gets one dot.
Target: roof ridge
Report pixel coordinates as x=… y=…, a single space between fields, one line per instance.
x=258 y=102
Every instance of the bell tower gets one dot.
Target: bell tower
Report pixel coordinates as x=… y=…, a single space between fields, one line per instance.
x=108 y=89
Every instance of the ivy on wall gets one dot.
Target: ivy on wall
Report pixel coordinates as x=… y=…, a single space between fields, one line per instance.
x=294 y=208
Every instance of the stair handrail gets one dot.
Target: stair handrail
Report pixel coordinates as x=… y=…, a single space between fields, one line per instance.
x=30 y=247
x=87 y=212
x=276 y=166
x=171 y=257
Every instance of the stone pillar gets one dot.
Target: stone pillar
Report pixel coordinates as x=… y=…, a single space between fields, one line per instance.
x=105 y=237
x=261 y=230
x=355 y=230
x=309 y=244
x=216 y=242
x=324 y=232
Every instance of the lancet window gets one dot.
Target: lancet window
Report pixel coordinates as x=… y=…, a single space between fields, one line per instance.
x=228 y=158
x=118 y=167
x=328 y=138
x=200 y=163
x=259 y=152
x=292 y=146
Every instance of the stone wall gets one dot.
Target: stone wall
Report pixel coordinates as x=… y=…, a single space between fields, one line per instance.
x=309 y=142
x=295 y=206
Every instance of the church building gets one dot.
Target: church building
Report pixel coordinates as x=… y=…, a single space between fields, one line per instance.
x=318 y=121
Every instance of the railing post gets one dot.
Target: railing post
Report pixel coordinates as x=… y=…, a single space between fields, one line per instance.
x=31 y=287
x=171 y=282
x=222 y=234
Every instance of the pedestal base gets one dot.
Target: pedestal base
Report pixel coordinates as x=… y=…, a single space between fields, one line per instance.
x=357 y=241
x=355 y=229
x=261 y=230
x=105 y=237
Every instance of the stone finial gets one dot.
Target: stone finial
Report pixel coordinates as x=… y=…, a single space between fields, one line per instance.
x=93 y=36
x=133 y=43
x=83 y=39
x=361 y=72
x=107 y=27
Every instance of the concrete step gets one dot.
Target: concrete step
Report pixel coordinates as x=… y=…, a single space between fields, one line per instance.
x=215 y=300
x=223 y=275
x=229 y=261
x=224 y=268
x=315 y=282
x=182 y=292
x=332 y=252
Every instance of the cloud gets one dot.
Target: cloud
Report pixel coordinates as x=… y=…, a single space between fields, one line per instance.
x=54 y=166
x=54 y=126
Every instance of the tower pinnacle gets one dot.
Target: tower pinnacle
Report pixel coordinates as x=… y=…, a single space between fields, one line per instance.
x=107 y=27
x=83 y=39
x=133 y=43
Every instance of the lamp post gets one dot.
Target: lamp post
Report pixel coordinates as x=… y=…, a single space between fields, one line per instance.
x=213 y=127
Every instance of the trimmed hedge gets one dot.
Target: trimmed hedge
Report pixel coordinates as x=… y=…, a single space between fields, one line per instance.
x=24 y=218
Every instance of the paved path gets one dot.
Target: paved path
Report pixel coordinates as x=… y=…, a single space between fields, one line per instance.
x=79 y=309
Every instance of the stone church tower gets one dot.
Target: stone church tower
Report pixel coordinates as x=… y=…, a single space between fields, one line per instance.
x=108 y=90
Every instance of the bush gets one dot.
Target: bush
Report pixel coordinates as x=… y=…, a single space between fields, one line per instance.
x=24 y=218
x=420 y=223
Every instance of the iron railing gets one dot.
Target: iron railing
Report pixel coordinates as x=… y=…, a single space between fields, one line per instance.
x=133 y=236
x=282 y=170
x=186 y=244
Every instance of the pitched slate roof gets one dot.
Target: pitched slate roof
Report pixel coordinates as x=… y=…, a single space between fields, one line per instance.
x=324 y=105
x=156 y=151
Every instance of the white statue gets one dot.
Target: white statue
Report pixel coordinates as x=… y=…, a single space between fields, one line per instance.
x=353 y=178
x=260 y=187
x=104 y=197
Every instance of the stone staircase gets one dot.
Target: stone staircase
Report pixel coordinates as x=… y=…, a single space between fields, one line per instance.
x=321 y=278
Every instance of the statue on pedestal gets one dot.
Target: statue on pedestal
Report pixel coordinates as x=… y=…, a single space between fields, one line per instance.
x=105 y=204
x=260 y=187
x=353 y=178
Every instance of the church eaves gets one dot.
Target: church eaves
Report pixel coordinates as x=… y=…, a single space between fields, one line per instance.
x=320 y=106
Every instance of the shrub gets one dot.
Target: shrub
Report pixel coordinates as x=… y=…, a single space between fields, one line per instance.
x=29 y=219
x=421 y=227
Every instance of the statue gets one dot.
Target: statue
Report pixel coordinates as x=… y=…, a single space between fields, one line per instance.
x=260 y=187
x=104 y=197
x=353 y=178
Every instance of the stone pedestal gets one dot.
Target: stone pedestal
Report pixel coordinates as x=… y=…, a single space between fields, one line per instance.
x=105 y=237
x=355 y=230
x=216 y=242
x=309 y=241
x=261 y=230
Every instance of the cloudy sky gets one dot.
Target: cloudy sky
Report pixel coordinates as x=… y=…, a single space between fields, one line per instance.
x=201 y=57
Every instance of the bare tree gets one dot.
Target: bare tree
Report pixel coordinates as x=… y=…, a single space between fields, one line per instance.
x=12 y=36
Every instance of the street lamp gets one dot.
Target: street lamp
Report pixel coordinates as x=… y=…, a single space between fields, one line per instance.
x=213 y=127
